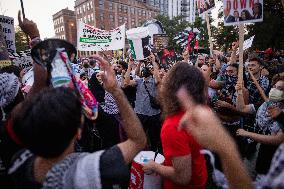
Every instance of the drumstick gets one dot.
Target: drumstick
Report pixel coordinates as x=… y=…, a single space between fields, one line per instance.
x=264 y=97
x=156 y=154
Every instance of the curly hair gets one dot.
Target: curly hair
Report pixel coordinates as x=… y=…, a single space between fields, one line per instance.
x=182 y=75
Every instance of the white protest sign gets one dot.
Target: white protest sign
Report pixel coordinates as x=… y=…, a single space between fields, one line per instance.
x=22 y=59
x=94 y=39
x=247 y=44
x=204 y=6
x=242 y=11
x=8 y=30
x=28 y=77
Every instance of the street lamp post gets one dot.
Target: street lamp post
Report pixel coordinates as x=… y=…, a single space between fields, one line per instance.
x=70 y=26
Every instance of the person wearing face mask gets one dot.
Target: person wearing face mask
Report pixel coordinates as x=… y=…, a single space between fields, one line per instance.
x=267 y=123
x=226 y=100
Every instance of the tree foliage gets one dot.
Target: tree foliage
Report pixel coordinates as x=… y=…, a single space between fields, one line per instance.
x=21 y=40
x=172 y=27
x=270 y=32
x=224 y=36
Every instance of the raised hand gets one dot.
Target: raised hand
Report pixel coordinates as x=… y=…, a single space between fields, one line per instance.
x=108 y=75
x=28 y=27
x=235 y=45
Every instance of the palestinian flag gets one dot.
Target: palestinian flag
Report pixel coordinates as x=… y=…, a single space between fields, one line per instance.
x=139 y=41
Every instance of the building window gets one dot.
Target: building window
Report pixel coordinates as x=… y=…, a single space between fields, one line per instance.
x=102 y=16
x=91 y=4
x=111 y=18
x=78 y=11
x=110 y=6
x=85 y=19
x=80 y=8
x=125 y=9
x=61 y=19
x=84 y=8
x=133 y=10
x=101 y=4
x=92 y=17
x=89 y=18
x=119 y=8
x=139 y=12
x=120 y=20
x=88 y=6
x=62 y=28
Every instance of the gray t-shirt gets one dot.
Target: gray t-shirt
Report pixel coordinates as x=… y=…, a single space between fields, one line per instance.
x=142 y=102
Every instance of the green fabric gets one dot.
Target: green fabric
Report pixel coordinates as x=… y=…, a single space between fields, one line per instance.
x=132 y=50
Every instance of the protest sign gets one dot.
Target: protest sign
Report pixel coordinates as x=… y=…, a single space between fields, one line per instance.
x=160 y=41
x=247 y=44
x=22 y=59
x=4 y=55
x=204 y=6
x=94 y=39
x=8 y=30
x=242 y=11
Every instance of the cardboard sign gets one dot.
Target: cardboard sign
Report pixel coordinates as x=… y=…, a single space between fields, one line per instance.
x=8 y=30
x=161 y=41
x=242 y=11
x=204 y=6
x=94 y=39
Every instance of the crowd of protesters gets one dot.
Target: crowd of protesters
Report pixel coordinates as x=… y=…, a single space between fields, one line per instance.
x=176 y=108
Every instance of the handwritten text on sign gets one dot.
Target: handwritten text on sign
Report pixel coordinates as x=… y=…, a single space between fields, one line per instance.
x=8 y=30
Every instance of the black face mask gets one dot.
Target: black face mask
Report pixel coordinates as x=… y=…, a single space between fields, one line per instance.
x=146 y=72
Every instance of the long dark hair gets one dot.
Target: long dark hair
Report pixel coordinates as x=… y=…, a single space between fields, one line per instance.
x=182 y=74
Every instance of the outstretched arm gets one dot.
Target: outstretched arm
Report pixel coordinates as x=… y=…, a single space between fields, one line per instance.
x=132 y=126
x=264 y=139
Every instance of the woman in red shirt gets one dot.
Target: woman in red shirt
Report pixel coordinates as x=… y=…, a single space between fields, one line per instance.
x=184 y=166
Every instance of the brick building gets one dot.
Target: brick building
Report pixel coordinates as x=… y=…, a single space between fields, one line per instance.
x=65 y=25
x=109 y=14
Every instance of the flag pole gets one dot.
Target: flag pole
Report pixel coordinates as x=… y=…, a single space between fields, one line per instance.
x=241 y=52
x=209 y=33
x=24 y=16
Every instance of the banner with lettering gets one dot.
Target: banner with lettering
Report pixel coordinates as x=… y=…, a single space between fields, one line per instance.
x=22 y=59
x=204 y=6
x=94 y=39
x=242 y=11
x=8 y=30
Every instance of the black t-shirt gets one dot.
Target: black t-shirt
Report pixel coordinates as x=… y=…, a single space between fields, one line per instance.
x=113 y=170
